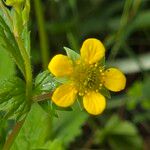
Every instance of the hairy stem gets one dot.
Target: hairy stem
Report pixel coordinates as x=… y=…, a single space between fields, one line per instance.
x=28 y=68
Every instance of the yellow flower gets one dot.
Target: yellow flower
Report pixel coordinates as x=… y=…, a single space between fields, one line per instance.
x=86 y=78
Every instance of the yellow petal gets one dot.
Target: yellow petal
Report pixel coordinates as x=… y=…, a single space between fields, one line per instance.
x=60 y=66
x=94 y=103
x=92 y=50
x=64 y=95
x=114 y=80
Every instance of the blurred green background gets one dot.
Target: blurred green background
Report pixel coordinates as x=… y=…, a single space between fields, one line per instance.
x=124 y=28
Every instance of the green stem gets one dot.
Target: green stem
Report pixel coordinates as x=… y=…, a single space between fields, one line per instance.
x=120 y=34
x=28 y=68
x=42 y=33
x=13 y=135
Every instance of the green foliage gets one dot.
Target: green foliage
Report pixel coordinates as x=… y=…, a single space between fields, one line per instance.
x=119 y=135
x=36 y=134
x=72 y=54
x=35 y=131
x=12 y=98
x=121 y=24
x=45 y=82
x=139 y=94
x=135 y=95
x=8 y=43
x=6 y=62
x=3 y=127
x=68 y=125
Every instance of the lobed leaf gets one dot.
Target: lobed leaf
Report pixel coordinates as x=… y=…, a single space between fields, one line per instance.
x=68 y=126
x=12 y=98
x=34 y=134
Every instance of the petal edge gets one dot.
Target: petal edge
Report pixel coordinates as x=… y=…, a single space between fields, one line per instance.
x=92 y=50
x=64 y=95
x=114 y=80
x=94 y=103
x=60 y=65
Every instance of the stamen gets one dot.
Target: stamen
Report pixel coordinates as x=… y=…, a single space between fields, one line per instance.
x=81 y=94
x=96 y=65
x=100 y=84
x=96 y=90
x=88 y=77
x=102 y=74
x=100 y=70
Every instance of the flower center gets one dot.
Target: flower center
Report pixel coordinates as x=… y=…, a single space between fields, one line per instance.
x=87 y=77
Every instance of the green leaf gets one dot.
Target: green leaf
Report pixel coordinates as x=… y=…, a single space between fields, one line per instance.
x=35 y=131
x=134 y=95
x=145 y=89
x=51 y=145
x=120 y=134
x=126 y=143
x=72 y=54
x=6 y=62
x=139 y=93
x=12 y=98
x=142 y=117
x=26 y=39
x=68 y=126
x=142 y=20
x=45 y=82
x=8 y=43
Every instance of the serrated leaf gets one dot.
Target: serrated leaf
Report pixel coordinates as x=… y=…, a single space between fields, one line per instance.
x=51 y=145
x=45 y=82
x=6 y=62
x=8 y=43
x=26 y=39
x=68 y=125
x=34 y=133
x=12 y=98
x=72 y=54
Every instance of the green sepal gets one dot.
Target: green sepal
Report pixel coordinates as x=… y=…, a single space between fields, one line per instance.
x=72 y=54
x=105 y=92
x=102 y=61
x=61 y=80
x=61 y=108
